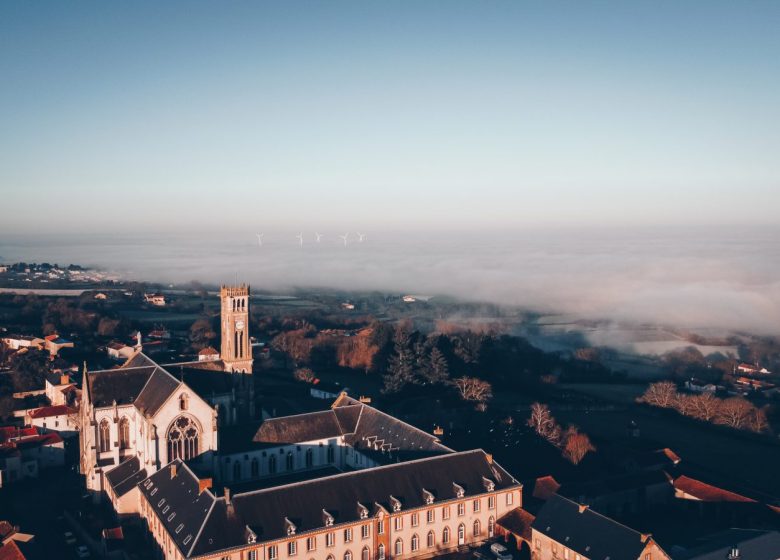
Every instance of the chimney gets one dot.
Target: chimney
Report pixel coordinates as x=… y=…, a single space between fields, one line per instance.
x=227 y=496
x=64 y=379
x=582 y=508
x=203 y=484
x=644 y=537
x=365 y=400
x=489 y=457
x=173 y=471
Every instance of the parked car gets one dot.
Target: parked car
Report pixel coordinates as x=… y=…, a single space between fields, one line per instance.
x=500 y=551
x=481 y=555
x=82 y=551
x=69 y=538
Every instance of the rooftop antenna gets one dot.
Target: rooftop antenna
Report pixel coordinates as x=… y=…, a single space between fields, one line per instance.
x=344 y=238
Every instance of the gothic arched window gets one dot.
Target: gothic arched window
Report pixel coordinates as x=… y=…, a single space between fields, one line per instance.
x=309 y=458
x=491 y=526
x=272 y=464
x=254 y=468
x=236 y=471
x=104 y=435
x=477 y=528
x=124 y=433
x=445 y=535
x=366 y=554
x=399 y=547
x=183 y=439
x=431 y=539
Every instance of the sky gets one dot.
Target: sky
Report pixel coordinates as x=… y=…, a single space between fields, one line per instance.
x=119 y=117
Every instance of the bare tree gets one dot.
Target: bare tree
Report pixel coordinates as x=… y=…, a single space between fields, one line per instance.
x=663 y=394
x=576 y=445
x=735 y=412
x=543 y=423
x=473 y=389
x=705 y=406
x=758 y=421
x=304 y=374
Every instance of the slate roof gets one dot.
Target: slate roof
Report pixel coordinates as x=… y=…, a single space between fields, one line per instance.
x=587 y=532
x=299 y=428
x=264 y=511
x=126 y=476
x=158 y=388
x=753 y=544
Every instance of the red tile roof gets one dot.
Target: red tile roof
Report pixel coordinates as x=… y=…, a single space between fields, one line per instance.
x=707 y=492
x=208 y=352
x=545 y=487
x=56 y=410
x=11 y=551
x=518 y=522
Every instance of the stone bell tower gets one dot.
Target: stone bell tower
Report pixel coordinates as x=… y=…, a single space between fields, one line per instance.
x=236 y=350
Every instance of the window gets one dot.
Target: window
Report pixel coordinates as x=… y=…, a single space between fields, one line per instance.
x=380 y=552
x=311 y=544
x=431 y=515
x=348 y=555
x=272 y=464
x=330 y=539
x=415 y=542
x=252 y=555
x=292 y=548
x=399 y=547
x=461 y=509
x=445 y=512
x=415 y=519
x=105 y=436
x=183 y=439
x=380 y=527
x=365 y=553
x=348 y=534
x=365 y=531
x=431 y=540
x=509 y=498
x=290 y=463
x=236 y=471
x=273 y=552
x=331 y=454
x=445 y=535
x=491 y=502
x=491 y=527
x=477 y=528
x=476 y=505
x=124 y=433
x=309 y=458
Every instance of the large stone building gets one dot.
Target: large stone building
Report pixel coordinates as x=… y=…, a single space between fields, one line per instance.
x=236 y=348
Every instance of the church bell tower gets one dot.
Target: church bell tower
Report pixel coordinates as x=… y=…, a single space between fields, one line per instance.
x=236 y=350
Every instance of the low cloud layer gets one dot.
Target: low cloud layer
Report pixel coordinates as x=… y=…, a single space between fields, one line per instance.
x=703 y=279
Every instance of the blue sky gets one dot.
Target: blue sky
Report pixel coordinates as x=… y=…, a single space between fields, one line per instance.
x=252 y=115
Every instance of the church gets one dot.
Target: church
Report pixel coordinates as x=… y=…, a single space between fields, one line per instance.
x=139 y=417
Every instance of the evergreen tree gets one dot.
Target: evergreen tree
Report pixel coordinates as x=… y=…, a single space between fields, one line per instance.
x=401 y=365
x=438 y=370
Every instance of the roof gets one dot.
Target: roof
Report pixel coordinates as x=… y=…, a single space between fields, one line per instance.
x=518 y=522
x=56 y=410
x=753 y=544
x=208 y=351
x=223 y=525
x=10 y=551
x=707 y=492
x=158 y=388
x=587 y=532
x=126 y=476
x=545 y=487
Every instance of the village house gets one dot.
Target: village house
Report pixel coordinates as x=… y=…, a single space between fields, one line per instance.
x=24 y=452
x=54 y=343
x=61 y=418
x=155 y=299
x=208 y=354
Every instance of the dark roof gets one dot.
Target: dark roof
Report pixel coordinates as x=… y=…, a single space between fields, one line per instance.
x=752 y=544
x=586 y=532
x=122 y=385
x=126 y=476
x=156 y=391
x=205 y=382
x=299 y=428
x=591 y=489
x=264 y=511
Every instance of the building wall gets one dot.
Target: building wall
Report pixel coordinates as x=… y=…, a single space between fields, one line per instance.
x=545 y=548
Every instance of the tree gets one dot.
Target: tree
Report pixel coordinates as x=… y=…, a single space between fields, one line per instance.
x=705 y=406
x=401 y=365
x=202 y=334
x=543 y=423
x=438 y=369
x=304 y=374
x=758 y=420
x=576 y=445
x=30 y=369
x=663 y=394
x=735 y=412
x=473 y=389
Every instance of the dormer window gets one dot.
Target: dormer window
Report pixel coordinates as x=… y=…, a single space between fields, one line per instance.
x=327 y=518
x=427 y=497
x=289 y=527
x=489 y=484
x=459 y=491
x=395 y=503
x=251 y=536
x=362 y=511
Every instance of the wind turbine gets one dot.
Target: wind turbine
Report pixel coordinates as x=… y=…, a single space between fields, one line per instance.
x=319 y=236
x=361 y=237
x=299 y=237
x=260 y=239
x=344 y=238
